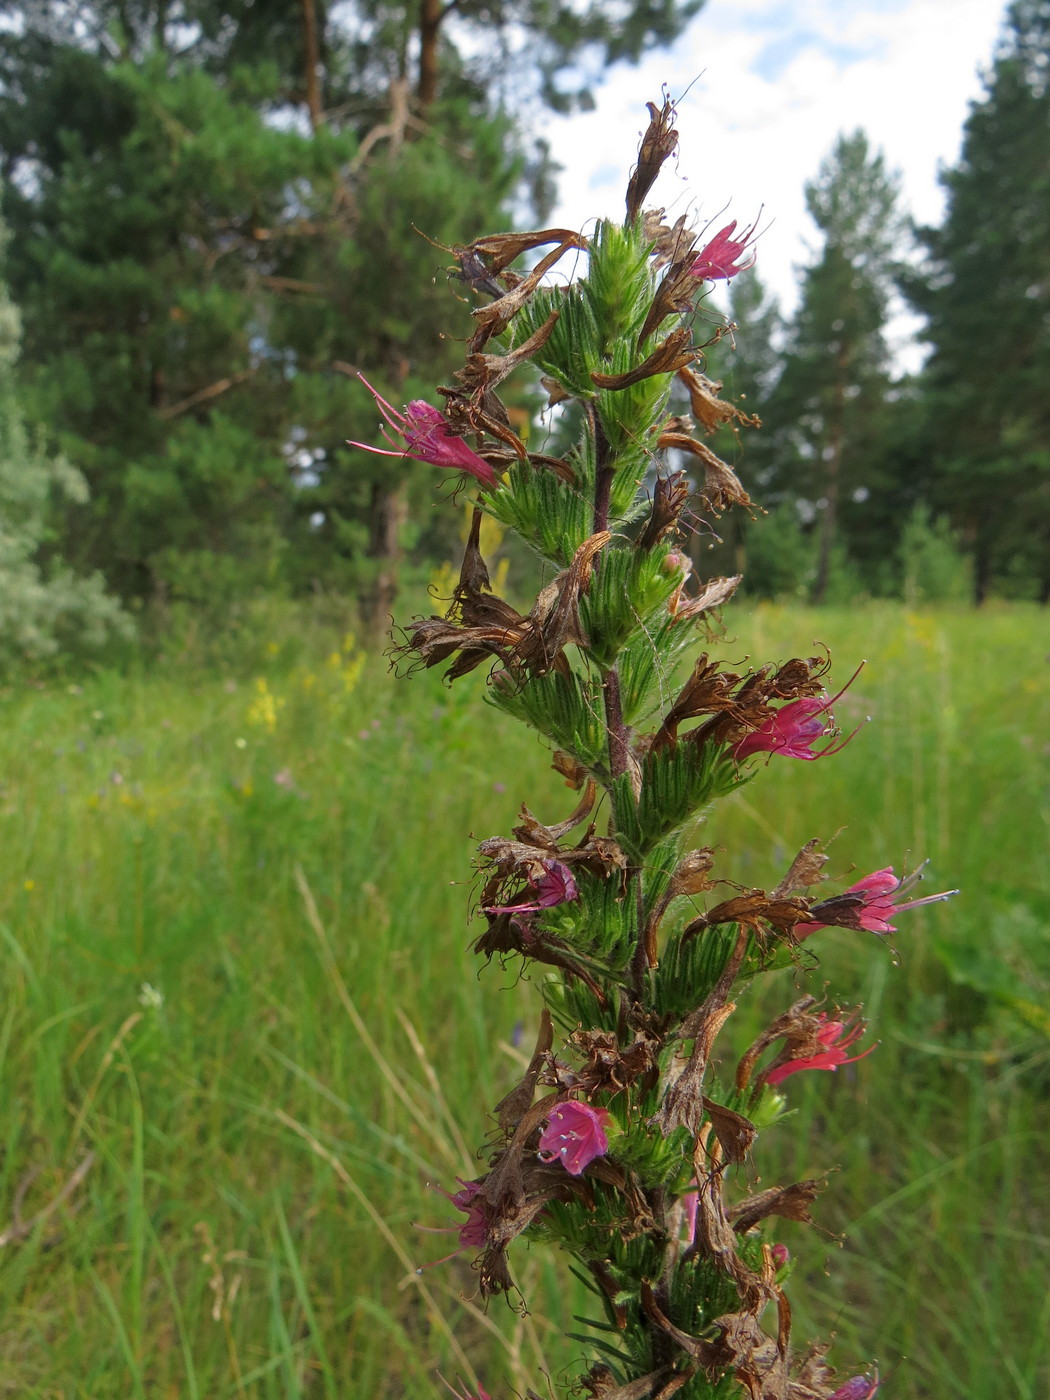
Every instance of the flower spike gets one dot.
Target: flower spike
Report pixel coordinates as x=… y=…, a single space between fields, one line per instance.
x=638 y=994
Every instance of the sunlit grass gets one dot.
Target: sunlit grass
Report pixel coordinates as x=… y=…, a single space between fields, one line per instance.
x=242 y=1032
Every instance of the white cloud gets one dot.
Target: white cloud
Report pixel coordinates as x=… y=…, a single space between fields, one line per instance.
x=775 y=82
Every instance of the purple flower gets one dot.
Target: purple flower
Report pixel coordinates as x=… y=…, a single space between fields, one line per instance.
x=859 y=1388
x=555 y=886
x=575 y=1134
x=427 y=438
x=835 y=1038
x=717 y=260
x=877 y=905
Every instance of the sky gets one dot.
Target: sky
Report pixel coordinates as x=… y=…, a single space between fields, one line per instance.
x=770 y=84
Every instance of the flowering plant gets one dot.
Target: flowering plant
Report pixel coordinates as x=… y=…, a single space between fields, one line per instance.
x=616 y=1143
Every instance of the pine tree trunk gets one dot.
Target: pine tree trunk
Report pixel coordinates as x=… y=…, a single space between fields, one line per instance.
x=429 y=25
x=313 y=64
x=982 y=572
x=388 y=508
x=387 y=512
x=832 y=480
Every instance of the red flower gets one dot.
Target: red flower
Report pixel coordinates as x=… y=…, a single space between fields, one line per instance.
x=835 y=1037
x=870 y=903
x=717 y=261
x=555 y=886
x=575 y=1133
x=427 y=438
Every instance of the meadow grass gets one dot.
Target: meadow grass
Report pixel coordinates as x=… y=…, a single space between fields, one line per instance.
x=243 y=1036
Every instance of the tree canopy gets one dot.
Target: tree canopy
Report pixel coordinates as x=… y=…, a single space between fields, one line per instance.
x=986 y=293
x=222 y=214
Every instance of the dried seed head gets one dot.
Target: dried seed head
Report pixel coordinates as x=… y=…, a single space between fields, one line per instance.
x=658 y=143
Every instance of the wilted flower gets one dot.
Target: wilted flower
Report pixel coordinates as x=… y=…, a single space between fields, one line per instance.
x=717 y=260
x=427 y=438
x=871 y=903
x=835 y=1037
x=859 y=1388
x=575 y=1134
x=555 y=886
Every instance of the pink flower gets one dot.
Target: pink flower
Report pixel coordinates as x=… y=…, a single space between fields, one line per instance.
x=859 y=1388
x=473 y=1230
x=691 y=1204
x=790 y=732
x=473 y=1233
x=781 y=1255
x=427 y=438
x=717 y=261
x=555 y=886
x=575 y=1133
x=793 y=729
x=836 y=1037
x=870 y=903
x=462 y=1395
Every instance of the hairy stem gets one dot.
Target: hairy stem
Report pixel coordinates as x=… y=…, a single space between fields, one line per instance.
x=604 y=470
x=614 y=723
x=640 y=960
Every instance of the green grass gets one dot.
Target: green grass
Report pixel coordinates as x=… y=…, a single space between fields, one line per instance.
x=216 y=1194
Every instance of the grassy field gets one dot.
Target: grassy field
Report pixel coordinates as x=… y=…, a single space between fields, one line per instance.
x=242 y=1037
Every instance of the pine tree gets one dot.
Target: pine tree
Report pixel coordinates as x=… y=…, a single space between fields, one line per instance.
x=827 y=415
x=987 y=295
x=746 y=362
x=218 y=216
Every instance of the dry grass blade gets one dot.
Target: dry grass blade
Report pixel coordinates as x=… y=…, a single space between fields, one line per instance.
x=107 y=1059
x=468 y=1160
x=436 y=1316
x=21 y=1229
x=395 y=1081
